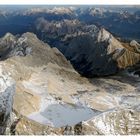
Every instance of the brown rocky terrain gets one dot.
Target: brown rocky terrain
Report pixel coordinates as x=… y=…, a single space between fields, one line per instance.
x=51 y=98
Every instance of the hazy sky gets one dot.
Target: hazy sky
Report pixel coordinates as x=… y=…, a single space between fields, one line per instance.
x=70 y=2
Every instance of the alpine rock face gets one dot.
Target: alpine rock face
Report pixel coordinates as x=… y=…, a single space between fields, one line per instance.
x=61 y=74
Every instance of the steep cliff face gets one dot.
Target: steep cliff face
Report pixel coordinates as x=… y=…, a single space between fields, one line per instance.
x=7 y=91
x=131 y=57
x=123 y=53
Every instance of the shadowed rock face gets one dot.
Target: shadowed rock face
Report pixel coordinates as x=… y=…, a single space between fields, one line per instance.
x=91 y=58
x=92 y=51
x=100 y=55
x=7 y=91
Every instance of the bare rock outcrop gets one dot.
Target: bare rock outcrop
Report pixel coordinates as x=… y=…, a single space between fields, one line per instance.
x=117 y=122
x=136 y=45
x=11 y=45
x=7 y=91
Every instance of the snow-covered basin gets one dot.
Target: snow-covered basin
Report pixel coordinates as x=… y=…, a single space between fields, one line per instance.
x=54 y=113
x=58 y=115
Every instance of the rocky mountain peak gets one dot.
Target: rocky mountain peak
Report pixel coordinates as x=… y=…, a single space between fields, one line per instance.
x=97 y=11
x=104 y=35
x=9 y=37
x=135 y=45
x=29 y=35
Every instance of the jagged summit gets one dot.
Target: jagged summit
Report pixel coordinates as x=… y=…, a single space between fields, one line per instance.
x=28 y=44
x=9 y=35
x=29 y=35
x=54 y=10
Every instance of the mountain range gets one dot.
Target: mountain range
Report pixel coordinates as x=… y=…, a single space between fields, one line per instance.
x=61 y=73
